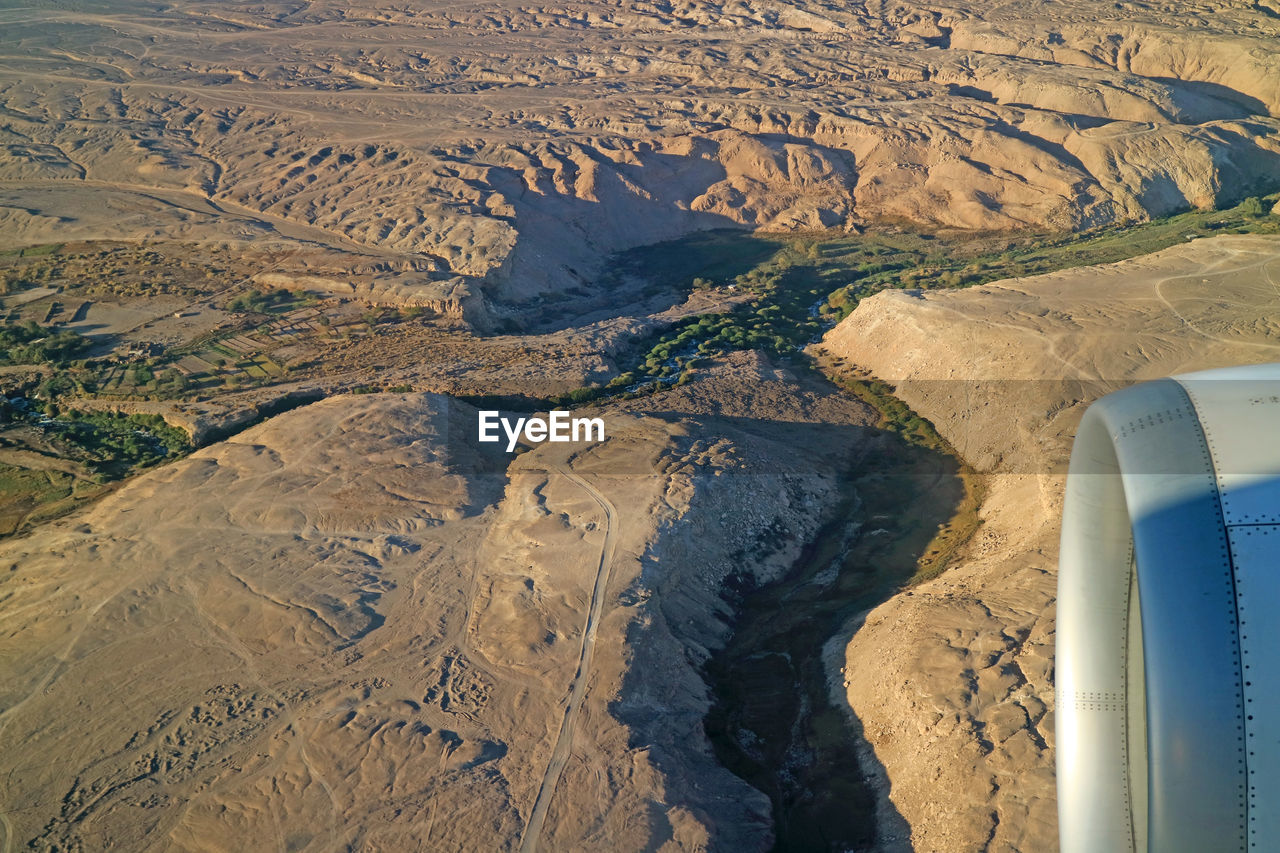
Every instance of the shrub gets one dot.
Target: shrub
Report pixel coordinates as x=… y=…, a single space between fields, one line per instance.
x=31 y=343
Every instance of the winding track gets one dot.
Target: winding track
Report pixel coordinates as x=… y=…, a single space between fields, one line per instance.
x=564 y=741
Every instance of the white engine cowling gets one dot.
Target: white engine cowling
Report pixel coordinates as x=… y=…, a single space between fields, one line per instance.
x=1168 y=625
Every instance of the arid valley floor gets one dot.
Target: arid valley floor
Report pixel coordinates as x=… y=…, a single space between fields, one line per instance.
x=839 y=280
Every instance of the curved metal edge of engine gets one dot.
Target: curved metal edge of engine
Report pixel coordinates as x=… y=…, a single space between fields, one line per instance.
x=1149 y=713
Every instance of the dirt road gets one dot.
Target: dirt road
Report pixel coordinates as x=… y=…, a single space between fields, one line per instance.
x=564 y=741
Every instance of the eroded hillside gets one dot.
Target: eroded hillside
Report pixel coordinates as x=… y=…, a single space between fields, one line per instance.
x=352 y=625
x=506 y=148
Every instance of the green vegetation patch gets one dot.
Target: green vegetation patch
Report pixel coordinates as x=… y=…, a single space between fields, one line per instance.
x=875 y=262
x=32 y=251
x=254 y=301
x=31 y=343
x=27 y=496
x=115 y=444
x=778 y=277
x=896 y=416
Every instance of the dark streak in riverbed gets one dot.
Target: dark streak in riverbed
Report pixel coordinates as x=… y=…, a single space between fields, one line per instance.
x=773 y=723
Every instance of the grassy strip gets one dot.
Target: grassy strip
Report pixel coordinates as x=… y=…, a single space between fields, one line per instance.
x=22 y=489
x=28 y=496
x=957 y=532
x=909 y=260
x=31 y=251
x=896 y=416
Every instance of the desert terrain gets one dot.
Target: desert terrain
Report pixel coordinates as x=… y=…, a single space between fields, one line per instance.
x=839 y=279
x=354 y=626
x=504 y=151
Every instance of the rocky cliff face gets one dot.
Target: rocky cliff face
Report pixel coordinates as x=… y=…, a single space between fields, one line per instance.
x=512 y=146
x=953 y=679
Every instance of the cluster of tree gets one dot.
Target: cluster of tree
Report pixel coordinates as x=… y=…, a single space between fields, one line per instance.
x=777 y=320
x=1252 y=207
x=256 y=301
x=117 y=443
x=31 y=343
x=764 y=325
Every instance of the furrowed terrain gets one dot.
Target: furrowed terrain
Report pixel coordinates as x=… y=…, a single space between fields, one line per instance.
x=838 y=278
x=502 y=151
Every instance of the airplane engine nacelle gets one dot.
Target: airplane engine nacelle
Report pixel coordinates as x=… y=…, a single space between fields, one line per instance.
x=1168 y=625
